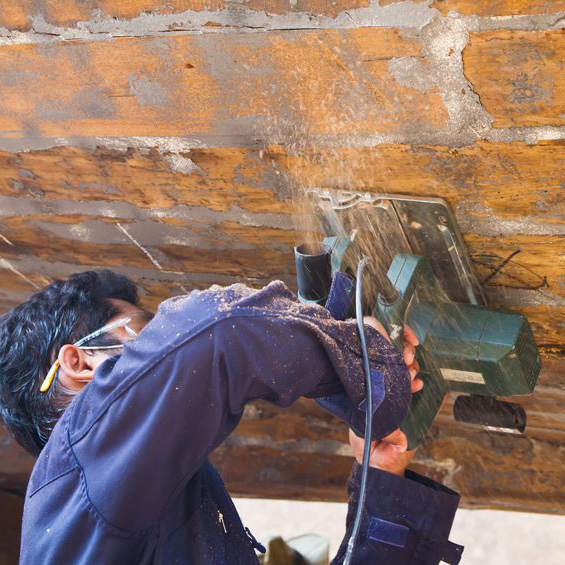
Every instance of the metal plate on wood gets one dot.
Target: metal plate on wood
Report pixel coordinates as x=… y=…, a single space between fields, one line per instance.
x=386 y=224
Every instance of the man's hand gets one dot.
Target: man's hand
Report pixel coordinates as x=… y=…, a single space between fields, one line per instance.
x=390 y=454
x=410 y=343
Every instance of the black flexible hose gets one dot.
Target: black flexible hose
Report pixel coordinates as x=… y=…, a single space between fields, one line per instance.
x=368 y=413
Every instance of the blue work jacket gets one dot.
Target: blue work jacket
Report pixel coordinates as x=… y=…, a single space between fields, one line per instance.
x=124 y=477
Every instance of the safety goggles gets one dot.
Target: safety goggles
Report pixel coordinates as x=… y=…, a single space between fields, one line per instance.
x=120 y=323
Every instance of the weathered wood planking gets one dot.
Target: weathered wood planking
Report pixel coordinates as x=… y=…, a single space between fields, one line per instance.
x=504 y=187
x=499 y=7
x=10 y=526
x=490 y=8
x=20 y=14
x=210 y=215
x=175 y=219
x=217 y=179
x=518 y=76
x=331 y=82
x=489 y=469
x=509 y=187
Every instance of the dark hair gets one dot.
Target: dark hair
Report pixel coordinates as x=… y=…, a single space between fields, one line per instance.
x=30 y=338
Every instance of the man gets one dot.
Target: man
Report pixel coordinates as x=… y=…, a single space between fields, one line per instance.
x=124 y=411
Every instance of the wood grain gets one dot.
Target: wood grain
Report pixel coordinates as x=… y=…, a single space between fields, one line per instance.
x=20 y=14
x=228 y=215
x=330 y=82
x=487 y=182
x=518 y=76
x=499 y=7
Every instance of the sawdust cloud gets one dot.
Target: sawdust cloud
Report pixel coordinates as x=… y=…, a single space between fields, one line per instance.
x=317 y=151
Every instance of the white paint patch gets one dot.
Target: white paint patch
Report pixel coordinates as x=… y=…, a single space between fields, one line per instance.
x=133 y=240
x=183 y=165
x=172 y=240
x=81 y=232
x=7 y=265
x=6 y=240
x=411 y=72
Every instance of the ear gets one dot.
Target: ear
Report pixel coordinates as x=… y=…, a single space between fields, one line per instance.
x=76 y=368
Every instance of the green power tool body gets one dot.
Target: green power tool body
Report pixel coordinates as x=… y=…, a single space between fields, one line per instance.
x=463 y=348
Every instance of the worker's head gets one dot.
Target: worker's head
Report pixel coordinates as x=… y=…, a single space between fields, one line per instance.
x=45 y=330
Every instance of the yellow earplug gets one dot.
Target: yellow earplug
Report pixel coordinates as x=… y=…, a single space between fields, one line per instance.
x=49 y=378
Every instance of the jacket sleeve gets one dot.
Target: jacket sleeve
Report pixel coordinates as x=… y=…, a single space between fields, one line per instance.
x=168 y=402
x=406 y=521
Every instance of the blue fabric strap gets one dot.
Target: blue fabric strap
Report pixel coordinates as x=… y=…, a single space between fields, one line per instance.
x=379 y=392
x=387 y=532
x=341 y=295
x=452 y=553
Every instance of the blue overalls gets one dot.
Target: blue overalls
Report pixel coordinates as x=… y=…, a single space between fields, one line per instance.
x=124 y=477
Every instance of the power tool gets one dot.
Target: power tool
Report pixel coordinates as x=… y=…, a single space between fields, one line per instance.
x=420 y=274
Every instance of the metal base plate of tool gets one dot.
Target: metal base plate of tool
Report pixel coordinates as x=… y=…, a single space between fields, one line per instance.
x=389 y=224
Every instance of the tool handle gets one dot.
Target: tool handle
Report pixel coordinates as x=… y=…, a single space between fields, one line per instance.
x=404 y=273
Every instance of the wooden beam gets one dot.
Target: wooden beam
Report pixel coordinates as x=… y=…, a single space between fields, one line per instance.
x=11 y=511
x=191 y=85
x=20 y=14
x=518 y=76
x=499 y=7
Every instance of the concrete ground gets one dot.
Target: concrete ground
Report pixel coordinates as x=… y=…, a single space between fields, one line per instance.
x=490 y=537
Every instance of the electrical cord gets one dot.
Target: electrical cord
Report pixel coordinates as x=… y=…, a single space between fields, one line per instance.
x=368 y=413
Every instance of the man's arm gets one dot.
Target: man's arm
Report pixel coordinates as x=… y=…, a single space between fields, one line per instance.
x=407 y=517
x=168 y=402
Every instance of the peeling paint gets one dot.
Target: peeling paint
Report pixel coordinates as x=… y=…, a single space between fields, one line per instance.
x=452 y=137
x=445 y=40
x=404 y=15
x=411 y=72
x=180 y=164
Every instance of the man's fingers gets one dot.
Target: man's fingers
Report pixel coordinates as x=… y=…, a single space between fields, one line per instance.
x=397 y=440
x=410 y=336
x=358 y=445
x=417 y=385
x=409 y=354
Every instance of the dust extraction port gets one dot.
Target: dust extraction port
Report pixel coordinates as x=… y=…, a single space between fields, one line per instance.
x=313 y=270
